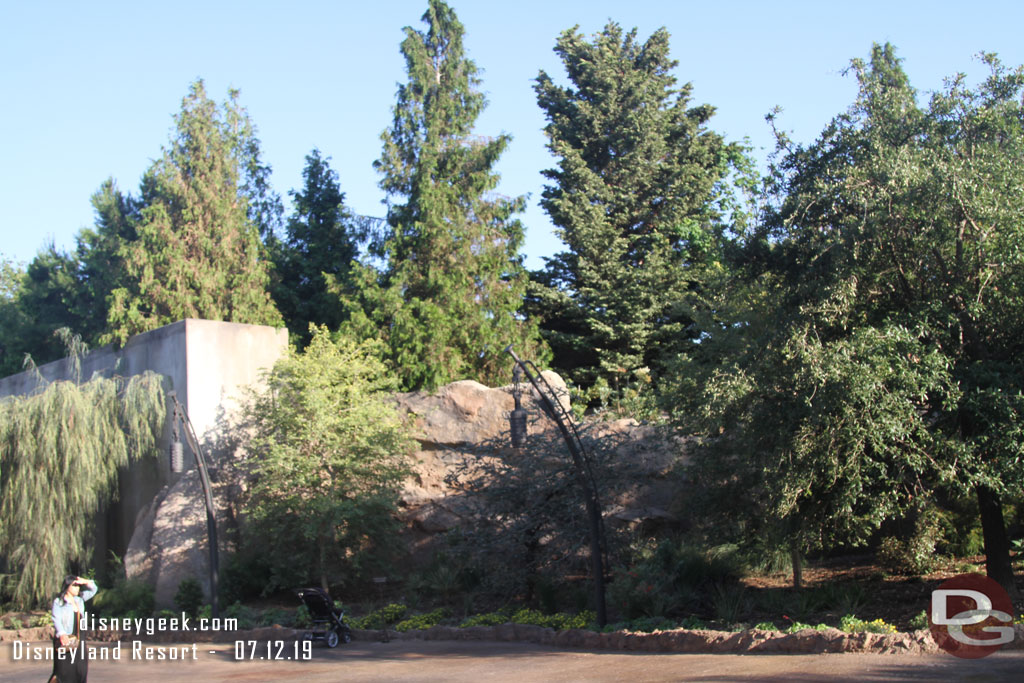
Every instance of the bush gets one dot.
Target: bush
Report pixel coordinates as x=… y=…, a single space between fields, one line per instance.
x=246 y=575
x=851 y=624
x=489 y=619
x=920 y=621
x=189 y=597
x=915 y=555
x=277 y=615
x=378 y=619
x=127 y=598
x=422 y=621
x=247 y=617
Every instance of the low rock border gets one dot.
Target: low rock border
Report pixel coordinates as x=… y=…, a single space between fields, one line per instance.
x=752 y=641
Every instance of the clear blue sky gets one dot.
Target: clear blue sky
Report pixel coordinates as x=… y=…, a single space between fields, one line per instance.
x=89 y=88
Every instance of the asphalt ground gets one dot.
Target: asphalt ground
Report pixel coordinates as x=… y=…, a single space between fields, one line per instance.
x=457 y=661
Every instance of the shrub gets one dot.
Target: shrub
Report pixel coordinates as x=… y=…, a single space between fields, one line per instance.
x=378 y=619
x=127 y=598
x=189 y=597
x=851 y=624
x=915 y=555
x=421 y=621
x=920 y=621
x=277 y=615
x=489 y=619
x=247 y=617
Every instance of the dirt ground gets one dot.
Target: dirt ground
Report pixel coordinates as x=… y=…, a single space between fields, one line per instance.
x=456 y=662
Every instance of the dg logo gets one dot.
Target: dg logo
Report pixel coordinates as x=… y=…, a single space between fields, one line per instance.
x=971 y=616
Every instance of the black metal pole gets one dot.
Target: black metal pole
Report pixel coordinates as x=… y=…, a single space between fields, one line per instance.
x=572 y=441
x=204 y=479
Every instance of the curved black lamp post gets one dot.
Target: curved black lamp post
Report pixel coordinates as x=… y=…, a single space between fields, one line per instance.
x=178 y=466
x=554 y=410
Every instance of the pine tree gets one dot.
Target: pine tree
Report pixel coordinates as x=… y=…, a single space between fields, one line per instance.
x=320 y=247
x=446 y=302
x=198 y=252
x=633 y=198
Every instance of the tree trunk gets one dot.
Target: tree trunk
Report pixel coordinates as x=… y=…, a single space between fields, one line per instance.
x=798 y=573
x=997 y=544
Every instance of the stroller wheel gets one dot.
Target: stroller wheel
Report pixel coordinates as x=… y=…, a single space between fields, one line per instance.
x=332 y=638
x=346 y=636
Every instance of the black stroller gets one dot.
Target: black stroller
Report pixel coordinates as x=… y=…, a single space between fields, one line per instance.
x=328 y=622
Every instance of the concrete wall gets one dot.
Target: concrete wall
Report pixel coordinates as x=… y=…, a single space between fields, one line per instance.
x=208 y=363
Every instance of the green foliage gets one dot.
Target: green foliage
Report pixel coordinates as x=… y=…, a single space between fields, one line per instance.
x=797 y=626
x=385 y=616
x=13 y=336
x=303 y=619
x=198 y=252
x=60 y=451
x=328 y=461
x=488 y=619
x=916 y=554
x=126 y=598
x=247 y=616
x=634 y=200
x=277 y=616
x=851 y=624
x=672 y=575
x=446 y=301
x=920 y=621
x=189 y=597
x=422 y=621
x=319 y=248
x=244 y=576
x=875 y=357
x=536 y=524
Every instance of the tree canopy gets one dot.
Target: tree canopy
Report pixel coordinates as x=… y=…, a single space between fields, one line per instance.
x=633 y=198
x=447 y=298
x=60 y=450
x=328 y=461
x=885 y=361
x=198 y=252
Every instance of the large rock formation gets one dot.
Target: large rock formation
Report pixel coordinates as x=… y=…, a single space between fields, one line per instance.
x=455 y=427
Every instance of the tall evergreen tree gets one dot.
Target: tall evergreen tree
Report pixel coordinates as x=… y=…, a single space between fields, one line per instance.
x=321 y=244
x=633 y=198
x=453 y=280
x=198 y=252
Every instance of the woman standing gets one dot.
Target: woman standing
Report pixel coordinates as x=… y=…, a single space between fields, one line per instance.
x=69 y=662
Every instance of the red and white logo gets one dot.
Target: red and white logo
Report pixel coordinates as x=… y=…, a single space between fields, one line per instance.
x=971 y=616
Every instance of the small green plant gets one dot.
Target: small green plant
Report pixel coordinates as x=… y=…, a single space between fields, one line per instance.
x=378 y=619
x=276 y=616
x=423 y=621
x=729 y=603
x=765 y=626
x=649 y=624
x=40 y=620
x=489 y=619
x=247 y=617
x=693 y=623
x=303 y=618
x=851 y=624
x=14 y=623
x=127 y=598
x=920 y=621
x=189 y=597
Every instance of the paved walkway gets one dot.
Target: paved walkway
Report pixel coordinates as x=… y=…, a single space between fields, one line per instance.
x=462 y=661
